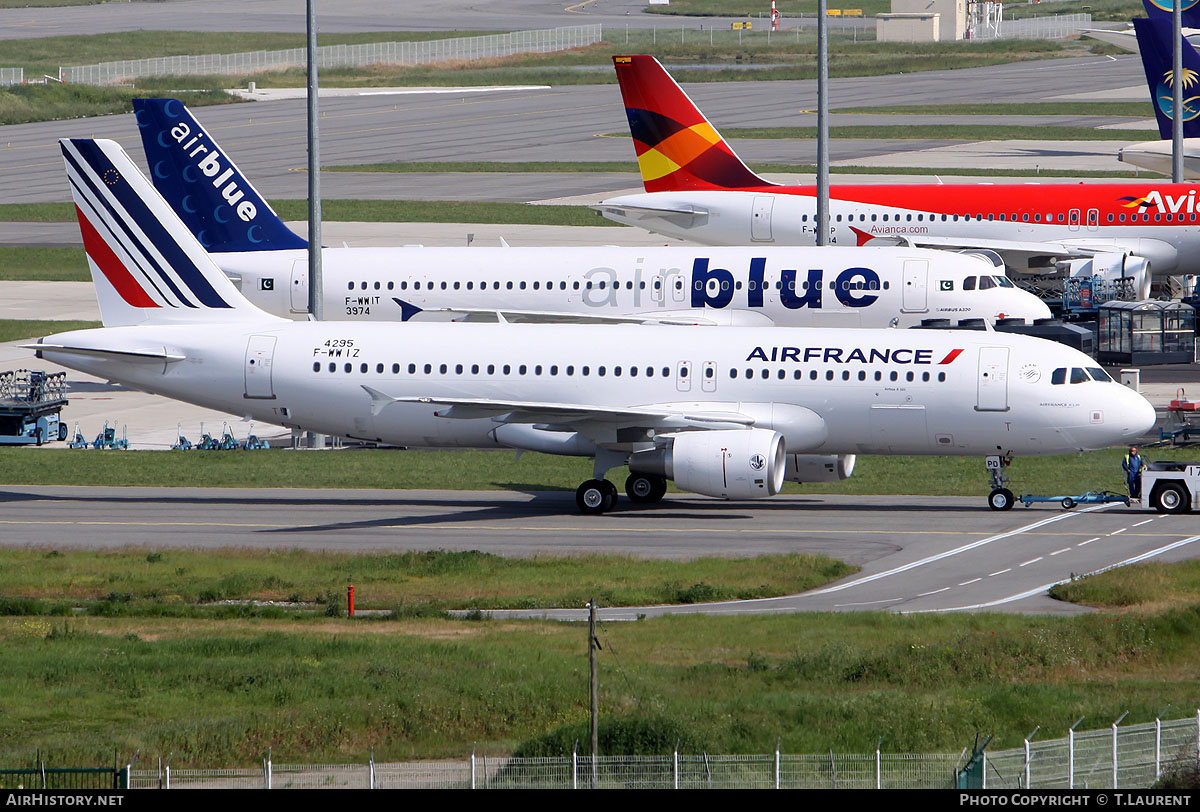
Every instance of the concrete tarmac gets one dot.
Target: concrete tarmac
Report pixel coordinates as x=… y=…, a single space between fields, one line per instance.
x=918 y=554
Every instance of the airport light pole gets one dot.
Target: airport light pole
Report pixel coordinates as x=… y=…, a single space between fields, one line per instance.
x=822 y=124
x=1177 y=92
x=314 y=174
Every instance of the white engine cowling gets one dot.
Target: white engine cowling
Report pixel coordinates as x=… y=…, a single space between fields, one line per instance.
x=733 y=464
x=819 y=467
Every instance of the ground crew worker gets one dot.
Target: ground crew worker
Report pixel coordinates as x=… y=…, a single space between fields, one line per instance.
x=1133 y=464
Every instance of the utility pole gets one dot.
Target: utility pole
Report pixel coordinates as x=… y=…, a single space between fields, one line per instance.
x=315 y=286
x=593 y=647
x=1177 y=92
x=822 y=124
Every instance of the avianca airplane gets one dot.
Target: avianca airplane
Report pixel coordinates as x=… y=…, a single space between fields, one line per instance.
x=727 y=412
x=698 y=189
x=759 y=285
x=1154 y=43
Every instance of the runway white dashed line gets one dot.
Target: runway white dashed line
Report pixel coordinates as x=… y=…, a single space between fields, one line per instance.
x=1029 y=593
x=1139 y=524
x=934 y=592
x=1086 y=543
x=1063 y=550
x=968 y=583
x=957 y=550
x=1000 y=572
x=1118 y=532
x=1032 y=561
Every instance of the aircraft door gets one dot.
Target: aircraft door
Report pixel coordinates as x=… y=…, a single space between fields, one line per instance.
x=260 y=352
x=1093 y=219
x=760 y=220
x=992 y=391
x=683 y=376
x=708 y=381
x=300 y=286
x=916 y=286
x=1073 y=219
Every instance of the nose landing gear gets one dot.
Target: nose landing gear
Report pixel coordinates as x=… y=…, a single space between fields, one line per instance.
x=1001 y=498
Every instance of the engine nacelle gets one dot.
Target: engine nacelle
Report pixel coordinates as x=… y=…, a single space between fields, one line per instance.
x=733 y=464
x=819 y=467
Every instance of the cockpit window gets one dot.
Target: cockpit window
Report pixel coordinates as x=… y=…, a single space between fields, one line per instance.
x=1058 y=376
x=969 y=283
x=1099 y=374
x=1079 y=376
x=986 y=283
x=1004 y=282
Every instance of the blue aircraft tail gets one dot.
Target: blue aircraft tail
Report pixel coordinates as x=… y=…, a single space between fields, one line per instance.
x=1154 y=42
x=1163 y=10
x=203 y=185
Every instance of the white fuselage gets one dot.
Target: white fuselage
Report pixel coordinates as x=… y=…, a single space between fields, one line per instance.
x=790 y=287
x=767 y=218
x=875 y=391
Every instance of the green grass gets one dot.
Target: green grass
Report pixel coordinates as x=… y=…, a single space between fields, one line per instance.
x=1105 y=109
x=39 y=263
x=1142 y=587
x=146 y=582
x=1069 y=474
x=1110 y=10
x=801 y=169
x=372 y=211
x=15 y=329
x=20 y=104
x=219 y=693
x=946 y=132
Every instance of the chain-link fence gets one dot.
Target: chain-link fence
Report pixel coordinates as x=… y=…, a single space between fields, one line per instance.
x=1130 y=757
x=12 y=76
x=1060 y=26
x=339 y=56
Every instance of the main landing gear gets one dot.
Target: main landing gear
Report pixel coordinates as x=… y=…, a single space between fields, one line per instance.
x=598 y=496
x=1001 y=498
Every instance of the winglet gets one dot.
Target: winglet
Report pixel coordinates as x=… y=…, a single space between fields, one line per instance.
x=379 y=400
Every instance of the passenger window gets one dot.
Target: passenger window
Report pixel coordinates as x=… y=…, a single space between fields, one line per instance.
x=1058 y=376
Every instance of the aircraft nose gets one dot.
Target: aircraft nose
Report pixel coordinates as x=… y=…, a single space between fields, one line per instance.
x=1137 y=415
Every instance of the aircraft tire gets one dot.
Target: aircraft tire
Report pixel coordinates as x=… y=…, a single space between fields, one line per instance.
x=1068 y=503
x=596 y=496
x=645 y=488
x=1000 y=499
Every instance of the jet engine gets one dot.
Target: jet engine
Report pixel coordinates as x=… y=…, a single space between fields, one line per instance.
x=734 y=464
x=819 y=467
x=1115 y=270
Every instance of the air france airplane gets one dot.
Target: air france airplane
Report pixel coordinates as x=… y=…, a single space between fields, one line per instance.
x=729 y=412
x=791 y=287
x=698 y=189
x=1154 y=43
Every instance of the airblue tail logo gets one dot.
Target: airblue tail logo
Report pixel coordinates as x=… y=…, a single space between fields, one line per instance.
x=203 y=185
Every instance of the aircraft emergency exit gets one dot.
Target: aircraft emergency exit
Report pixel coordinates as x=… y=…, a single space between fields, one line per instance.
x=763 y=286
x=698 y=189
x=729 y=412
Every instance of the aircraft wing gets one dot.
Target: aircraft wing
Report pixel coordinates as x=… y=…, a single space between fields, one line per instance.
x=471 y=314
x=1005 y=248
x=521 y=411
